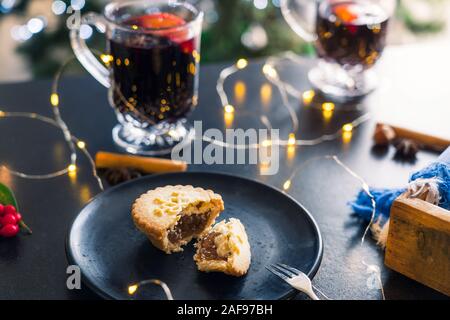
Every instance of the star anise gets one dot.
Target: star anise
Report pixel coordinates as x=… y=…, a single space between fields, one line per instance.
x=406 y=148
x=118 y=175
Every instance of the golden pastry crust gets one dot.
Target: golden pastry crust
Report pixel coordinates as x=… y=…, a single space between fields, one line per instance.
x=160 y=213
x=231 y=253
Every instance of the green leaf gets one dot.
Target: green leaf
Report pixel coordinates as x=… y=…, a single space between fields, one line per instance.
x=7 y=196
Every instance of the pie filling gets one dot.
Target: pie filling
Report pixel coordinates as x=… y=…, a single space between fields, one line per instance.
x=188 y=226
x=208 y=249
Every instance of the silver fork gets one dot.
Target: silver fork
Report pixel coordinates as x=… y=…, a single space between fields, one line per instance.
x=294 y=277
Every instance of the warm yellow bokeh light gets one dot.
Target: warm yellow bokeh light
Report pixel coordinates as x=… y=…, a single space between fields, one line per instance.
x=308 y=97
x=2 y=114
x=54 y=99
x=228 y=118
x=269 y=71
x=134 y=27
x=266 y=143
x=85 y=193
x=328 y=106
x=229 y=108
x=132 y=289
x=266 y=94
x=81 y=144
x=376 y=28
x=6 y=176
x=290 y=153
x=327 y=115
x=191 y=68
x=240 y=91
x=287 y=185
x=72 y=172
x=196 y=56
x=292 y=141
x=264 y=167
x=348 y=127
x=241 y=63
x=347 y=136
x=106 y=58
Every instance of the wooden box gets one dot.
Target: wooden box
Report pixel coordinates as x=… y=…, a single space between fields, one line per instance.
x=418 y=243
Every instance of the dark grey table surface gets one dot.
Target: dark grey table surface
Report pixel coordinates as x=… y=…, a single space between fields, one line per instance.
x=34 y=267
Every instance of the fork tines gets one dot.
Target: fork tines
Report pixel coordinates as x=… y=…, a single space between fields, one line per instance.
x=283 y=271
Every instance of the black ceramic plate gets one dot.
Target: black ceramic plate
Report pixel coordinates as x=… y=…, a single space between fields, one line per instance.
x=112 y=254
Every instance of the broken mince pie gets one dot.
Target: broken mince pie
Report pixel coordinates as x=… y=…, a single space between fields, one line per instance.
x=224 y=248
x=171 y=216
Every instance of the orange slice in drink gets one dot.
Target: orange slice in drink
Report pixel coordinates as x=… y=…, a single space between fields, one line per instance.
x=345 y=12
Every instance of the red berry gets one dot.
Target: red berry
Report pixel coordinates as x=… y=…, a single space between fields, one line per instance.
x=18 y=217
x=2 y=208
x=9 y=230
x=8 y=219
x=9 y=209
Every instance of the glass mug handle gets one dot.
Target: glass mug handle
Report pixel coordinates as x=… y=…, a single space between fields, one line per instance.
x=300 y=16
x=84 y=54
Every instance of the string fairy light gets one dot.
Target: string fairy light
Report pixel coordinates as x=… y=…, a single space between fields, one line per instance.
x=280 y=142
x=81 y=144
x=291 y=140
x=287 y=184
x=285 y=89
x=38 y=117
x=228 y=108
x=268 y=69
x=308 y=97
x=106 y=58
x=54 y=99
x=272 y=76
x=241 y=63
x=371 y=268
x=348 y=127
x=224 y=74
x=264 y=120
x=71 y=168
x=328 y=106
x=59 y=123
x=270 y=65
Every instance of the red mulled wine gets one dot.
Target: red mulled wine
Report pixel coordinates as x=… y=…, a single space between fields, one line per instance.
x=351 y=32
x=154 y=69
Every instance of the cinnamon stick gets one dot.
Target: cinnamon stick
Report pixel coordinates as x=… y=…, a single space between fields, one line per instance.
x=426 y=140
x=144 y=164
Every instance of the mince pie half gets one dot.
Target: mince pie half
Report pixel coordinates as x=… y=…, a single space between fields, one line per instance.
x=224 y=248
x=171 y=216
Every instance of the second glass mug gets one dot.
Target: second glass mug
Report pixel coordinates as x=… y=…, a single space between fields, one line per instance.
x=152 y=76
x=349 y=37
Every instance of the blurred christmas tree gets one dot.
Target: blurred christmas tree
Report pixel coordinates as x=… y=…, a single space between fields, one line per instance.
x=47 y=47
x=246 y=28
x=232 y=29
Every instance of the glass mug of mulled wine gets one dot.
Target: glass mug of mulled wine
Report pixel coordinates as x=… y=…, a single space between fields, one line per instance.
x=152 y=64
x=349 y=37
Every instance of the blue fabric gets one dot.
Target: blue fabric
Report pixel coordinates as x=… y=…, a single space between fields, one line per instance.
x=385 y=197
x=442 y=172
